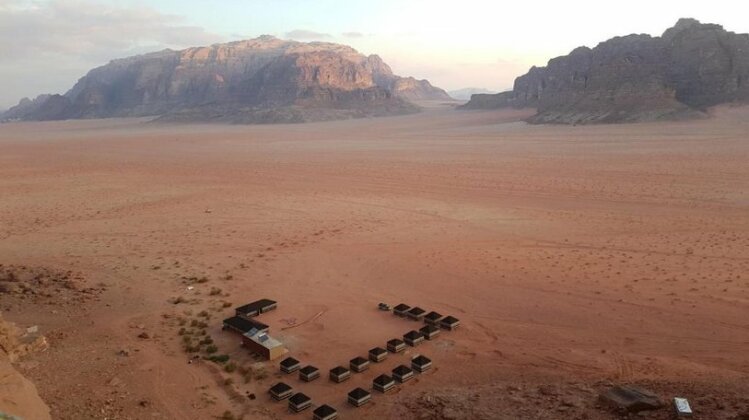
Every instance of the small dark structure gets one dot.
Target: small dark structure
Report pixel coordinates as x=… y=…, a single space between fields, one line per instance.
x=383 y=383
x=401 y=309
x=449 y=323
x=433 y=318
x=280 y=391
x=339 y=374
x=383 y=306
x=416 y=313
x=403 y=373
x=396 y=345
x=290 y=365
x=324 y=412
x=378 y=354
x=430 y=332
x=243 y=325
x=359 y=364
x=421 y=363
x=299 y=402
x=309 y=373
x=256 y=308
x=413 y=338
x=358 y=397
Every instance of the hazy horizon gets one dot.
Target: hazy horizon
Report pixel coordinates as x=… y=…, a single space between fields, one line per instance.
x=48 y=45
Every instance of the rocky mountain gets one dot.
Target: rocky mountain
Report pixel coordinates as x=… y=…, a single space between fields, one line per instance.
x=466 y=93
x=259 y=80
x=680 y=74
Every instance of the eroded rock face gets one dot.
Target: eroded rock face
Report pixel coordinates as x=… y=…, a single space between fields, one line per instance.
x=235 y=80
x=18 y=396
x=635 y=78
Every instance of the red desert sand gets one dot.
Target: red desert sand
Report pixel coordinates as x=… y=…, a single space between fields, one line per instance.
x=576 y=258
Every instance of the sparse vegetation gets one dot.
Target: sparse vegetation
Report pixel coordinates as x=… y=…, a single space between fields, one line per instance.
x=177 y=300
x=246 y=373
x=260 y=374
x=198 y=324
x=221 y=358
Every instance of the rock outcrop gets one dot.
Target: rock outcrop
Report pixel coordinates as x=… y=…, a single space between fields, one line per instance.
x=18 y=396
x=260 y=80
x=680 y=74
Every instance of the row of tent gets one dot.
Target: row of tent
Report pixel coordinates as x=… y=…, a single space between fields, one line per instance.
x=358 y=397
x=298 y=401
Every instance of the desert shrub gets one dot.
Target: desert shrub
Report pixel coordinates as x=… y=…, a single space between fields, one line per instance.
x=189 y=346
x=221 y=358
x=215 y=291
x=198 y=324
x=227 y=416
x=246 y=374
x=203 y=280
x=204 y=314
x=261 y=374
x=230 y=367
x=206 y=340
x=177 y=300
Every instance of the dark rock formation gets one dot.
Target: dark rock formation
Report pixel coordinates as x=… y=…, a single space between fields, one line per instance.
x=635 y=78
x=259 y=80
x=631 y=399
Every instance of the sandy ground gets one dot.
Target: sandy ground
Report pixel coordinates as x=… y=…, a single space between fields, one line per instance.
x=575 y=257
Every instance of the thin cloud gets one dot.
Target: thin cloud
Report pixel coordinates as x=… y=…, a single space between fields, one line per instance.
x=64 y=27
x=353 y=35
x=76 y=35
x=303 y=34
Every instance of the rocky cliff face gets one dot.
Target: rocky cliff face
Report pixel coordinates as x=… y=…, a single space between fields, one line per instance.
x=635 y=78
x=239 y=81
x=18 y=396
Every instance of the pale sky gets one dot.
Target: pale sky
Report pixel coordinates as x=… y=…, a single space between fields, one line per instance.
x=46 y=45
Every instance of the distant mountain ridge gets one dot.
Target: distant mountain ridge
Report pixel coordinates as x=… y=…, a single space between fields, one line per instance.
x=691 y=67
x=254 y=81
x=466 y=93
